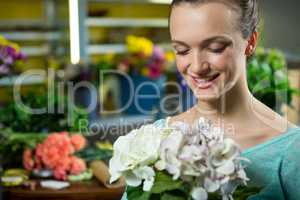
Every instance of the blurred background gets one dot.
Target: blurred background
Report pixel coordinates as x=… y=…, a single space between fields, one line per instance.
x=70 y=60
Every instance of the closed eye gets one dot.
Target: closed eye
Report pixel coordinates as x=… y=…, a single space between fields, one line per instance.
x=218 y=50
x=185 y=52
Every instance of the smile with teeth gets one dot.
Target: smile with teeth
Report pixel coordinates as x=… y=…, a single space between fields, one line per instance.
x=204 y=83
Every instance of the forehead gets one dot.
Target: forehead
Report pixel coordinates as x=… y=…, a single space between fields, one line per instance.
x=188 y=21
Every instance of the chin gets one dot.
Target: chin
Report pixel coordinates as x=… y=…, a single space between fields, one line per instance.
x=206 y=95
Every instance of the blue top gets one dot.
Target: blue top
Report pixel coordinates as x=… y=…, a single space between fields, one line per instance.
x=275 y=166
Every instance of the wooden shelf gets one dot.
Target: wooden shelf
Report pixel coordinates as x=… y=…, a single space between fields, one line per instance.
x=32 y=80
x=133 y=1
x=30 y=35
x=88 y=190
x=126 y=22
x=95 y=49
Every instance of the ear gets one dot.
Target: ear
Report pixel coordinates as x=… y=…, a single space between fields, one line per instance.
x=252 y=43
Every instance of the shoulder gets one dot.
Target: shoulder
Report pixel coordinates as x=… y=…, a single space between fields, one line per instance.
x=293 y=146
x=289 y=171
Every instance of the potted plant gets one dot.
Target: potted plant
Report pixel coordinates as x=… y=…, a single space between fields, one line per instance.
x=10 y=57
x=268 y=80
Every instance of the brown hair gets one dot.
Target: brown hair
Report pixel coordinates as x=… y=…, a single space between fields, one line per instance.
x=249 y=17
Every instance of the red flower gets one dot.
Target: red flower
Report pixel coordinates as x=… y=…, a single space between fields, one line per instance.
x=77 y=165
x=28 y=162
x=78 y=141
x=60 y=174
x=56 y=153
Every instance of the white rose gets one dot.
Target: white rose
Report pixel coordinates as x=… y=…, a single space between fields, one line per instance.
x=137 y=149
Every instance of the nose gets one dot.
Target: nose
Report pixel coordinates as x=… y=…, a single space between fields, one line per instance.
x=199 y=65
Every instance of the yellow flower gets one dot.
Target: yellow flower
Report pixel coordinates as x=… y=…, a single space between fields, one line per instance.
x=104 y=145
x=15 y=46
x=109 y=57
x=170 y=57
x=3 y=41
x=146 y=46
x=145 y=71
x=131 y=42
x=139 y=45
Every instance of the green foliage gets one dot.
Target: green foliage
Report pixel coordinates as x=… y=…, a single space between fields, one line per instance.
x=93 y=153
x=267 y=78
x=13 y=145
x=164 y=182
x=16 y=118
x=165 y=188
x=21 y=129
x=243 y=192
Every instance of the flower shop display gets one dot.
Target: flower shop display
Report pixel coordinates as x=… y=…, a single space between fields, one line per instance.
x=178 y=162
x=146 y=64
x=16 y=119
x=10 y=56
x=143 y=57
x=268 y=80
x=56 y=153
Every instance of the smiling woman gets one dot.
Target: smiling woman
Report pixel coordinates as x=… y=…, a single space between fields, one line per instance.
x=213 y=40
x=209 y=47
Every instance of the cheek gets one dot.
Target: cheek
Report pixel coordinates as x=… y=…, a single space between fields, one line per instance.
x=223 y=62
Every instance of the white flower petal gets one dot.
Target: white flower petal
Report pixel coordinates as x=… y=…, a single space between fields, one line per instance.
x=242 y=175
x=199 y=193
x=211 y=186
x=144 y=172
x=160 y=165
x=114 y=177
x=225 y=180
x=147 y=174
x=148 y=183
x=132 y=180
x=227 y=168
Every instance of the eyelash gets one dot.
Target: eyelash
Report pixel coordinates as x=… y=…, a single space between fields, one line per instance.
x=218 y=50
x=181 y=52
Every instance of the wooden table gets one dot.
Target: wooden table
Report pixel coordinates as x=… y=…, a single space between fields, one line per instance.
x=91 y=190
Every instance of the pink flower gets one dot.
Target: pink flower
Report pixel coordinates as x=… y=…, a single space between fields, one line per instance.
x=78 y=141
x=64 y=163
x=28 y=162
x=55 y=153
x=77 y=165
x=60 y=173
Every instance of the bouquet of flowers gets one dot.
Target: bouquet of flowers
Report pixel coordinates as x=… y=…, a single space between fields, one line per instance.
x=143 y=57
x=178 y=162
x=56 y=153
x=10 y=55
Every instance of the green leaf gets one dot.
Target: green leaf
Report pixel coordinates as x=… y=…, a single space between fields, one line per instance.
x=243 y=192
x=267 y=77
x=164 y=182
x=136 y=193
x=167 y=196
x=93 y=153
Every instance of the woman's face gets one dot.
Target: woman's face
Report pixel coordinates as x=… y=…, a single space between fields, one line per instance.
x=209 y=47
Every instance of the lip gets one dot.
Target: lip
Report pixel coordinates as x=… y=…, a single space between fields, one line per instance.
x=204 y=83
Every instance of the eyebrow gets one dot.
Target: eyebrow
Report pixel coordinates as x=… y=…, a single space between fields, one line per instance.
x=206 y=41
